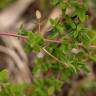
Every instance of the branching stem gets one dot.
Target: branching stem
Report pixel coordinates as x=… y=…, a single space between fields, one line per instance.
x=46 y=40
x=55 y=58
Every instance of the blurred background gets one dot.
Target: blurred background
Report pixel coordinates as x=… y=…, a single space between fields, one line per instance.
x=15 y=13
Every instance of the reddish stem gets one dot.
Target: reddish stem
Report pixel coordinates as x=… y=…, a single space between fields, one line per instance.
x=53 y=40
x=13 y=35
x=47 y=40
x=49 y=73
x=58 y=76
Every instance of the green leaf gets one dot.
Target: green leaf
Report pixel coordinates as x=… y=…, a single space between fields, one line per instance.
x=55 y=2
x=35 y=40
x=85 y=40
x=63 y=5
x=51 y=90
x=3 y=75
x=60 y=28
x=82 y=15
x=84 y=66
x=54 y=22
x=75 y=34
x=70 y=22
x=93 y=57
x=73 y=68
x=23 y=31
x=65 y=46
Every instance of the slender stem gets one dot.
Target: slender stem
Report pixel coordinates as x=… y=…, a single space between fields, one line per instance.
x=91 y=46
x=55 y=58
x=46 y=40
x=39 y=26
x=13 y=35
x=53 y=41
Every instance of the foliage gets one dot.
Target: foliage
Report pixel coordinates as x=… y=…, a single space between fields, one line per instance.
x=61 y=60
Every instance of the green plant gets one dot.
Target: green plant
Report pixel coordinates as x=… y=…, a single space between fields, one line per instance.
x=67 y=48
